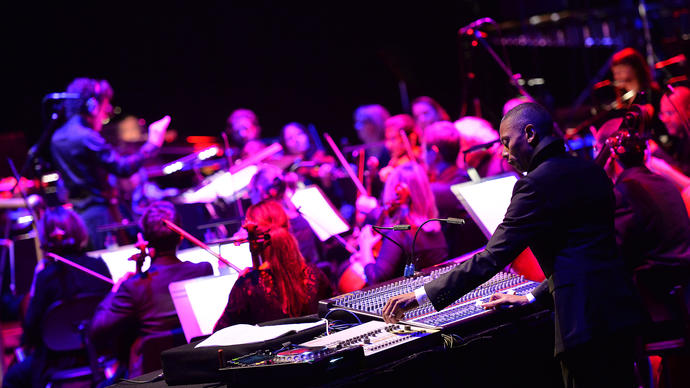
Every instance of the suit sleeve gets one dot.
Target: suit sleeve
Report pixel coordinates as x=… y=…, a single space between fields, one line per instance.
x=525 y=218
x=542 y=295
x=116 y=311
x=103 y=154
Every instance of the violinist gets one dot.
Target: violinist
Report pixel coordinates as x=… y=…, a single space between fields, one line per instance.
x=140 y=305
x=675 y=114
x=284 y=284
x=485 y=161
x=269 y=183
x=402 y=141
x=370 y=124
x=62 y=232
x=310 y=162
x=244 y=132
x=427 y=111
x=408 y=200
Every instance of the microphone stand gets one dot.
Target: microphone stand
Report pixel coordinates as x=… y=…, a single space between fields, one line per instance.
x=378 y=229
x=409 y=267
x=479 y=37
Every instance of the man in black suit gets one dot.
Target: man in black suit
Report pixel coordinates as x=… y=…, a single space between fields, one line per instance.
x=563 y=210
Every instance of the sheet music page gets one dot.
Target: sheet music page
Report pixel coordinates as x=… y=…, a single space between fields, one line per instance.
x=245 y=334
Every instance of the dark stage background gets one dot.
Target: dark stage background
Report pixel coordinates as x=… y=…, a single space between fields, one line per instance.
x=198 y=61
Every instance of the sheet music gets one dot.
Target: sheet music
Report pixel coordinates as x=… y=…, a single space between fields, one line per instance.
x=245 y=334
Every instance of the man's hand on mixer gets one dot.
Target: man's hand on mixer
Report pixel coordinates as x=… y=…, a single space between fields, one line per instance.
x=505 y=300
x=157 y=130
x=396 y=307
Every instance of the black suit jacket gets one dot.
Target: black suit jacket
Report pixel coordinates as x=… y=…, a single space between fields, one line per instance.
x=563 y=210
x=652 y=225
x=142 y=307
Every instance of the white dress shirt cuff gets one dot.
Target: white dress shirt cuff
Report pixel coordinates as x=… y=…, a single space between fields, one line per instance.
x=420 y=295
x=530 y=297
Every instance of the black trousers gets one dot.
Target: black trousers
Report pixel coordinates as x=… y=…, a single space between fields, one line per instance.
x=605 y=362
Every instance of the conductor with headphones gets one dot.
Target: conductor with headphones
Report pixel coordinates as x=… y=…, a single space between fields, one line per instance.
x=84 y=159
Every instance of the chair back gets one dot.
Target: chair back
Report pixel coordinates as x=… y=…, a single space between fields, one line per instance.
x=146 y=351
x=65 y=322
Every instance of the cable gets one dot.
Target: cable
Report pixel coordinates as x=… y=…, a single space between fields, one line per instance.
x=347 y=311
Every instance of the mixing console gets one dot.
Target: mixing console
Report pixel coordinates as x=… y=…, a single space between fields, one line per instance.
x=373 y=336
x=370 y=343
x=371 y=301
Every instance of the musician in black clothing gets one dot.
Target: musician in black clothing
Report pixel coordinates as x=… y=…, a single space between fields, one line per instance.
x=140 y=305
x=62 y=232
x=563 y=210
x=84 y=159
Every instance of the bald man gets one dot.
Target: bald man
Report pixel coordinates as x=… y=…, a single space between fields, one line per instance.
x=563 y=210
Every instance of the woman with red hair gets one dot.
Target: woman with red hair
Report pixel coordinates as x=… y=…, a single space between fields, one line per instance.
x=283 y=285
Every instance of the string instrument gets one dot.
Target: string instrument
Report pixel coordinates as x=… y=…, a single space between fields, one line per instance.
x=321 y=167
x=175 y=228
x=139 y=258
x=353 y=278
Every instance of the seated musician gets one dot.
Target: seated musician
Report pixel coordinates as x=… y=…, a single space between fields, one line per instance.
x=675 y=114
x=442 y=149
x=652 y=227
x=402 y=141
x=269 y=183
x=140 y=304
x=309 y=164
x=408 y=199
x=487 y=161
x=652 y=231
x=283 y=285
x=62 y=232
x=427 y=111
x=244 y=132
x=83 y=158
x=370 y=124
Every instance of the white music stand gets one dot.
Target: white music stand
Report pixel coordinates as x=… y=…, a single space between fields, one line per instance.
x=486 y=200
x=200 y=302
x=319 y=212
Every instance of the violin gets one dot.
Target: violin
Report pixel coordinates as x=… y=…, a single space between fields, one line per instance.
x=140 y=257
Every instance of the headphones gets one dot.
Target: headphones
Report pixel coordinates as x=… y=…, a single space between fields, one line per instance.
x=91 y=106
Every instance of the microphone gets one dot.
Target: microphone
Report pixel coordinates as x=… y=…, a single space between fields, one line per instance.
x=61 y=96
x=467 y=30
x=480 y=146
x=409 y=267
x=394 y=227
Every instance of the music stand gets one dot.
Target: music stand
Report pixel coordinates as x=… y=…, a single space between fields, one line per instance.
x=486 y=200
x=317 y=209
x=199 y=302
